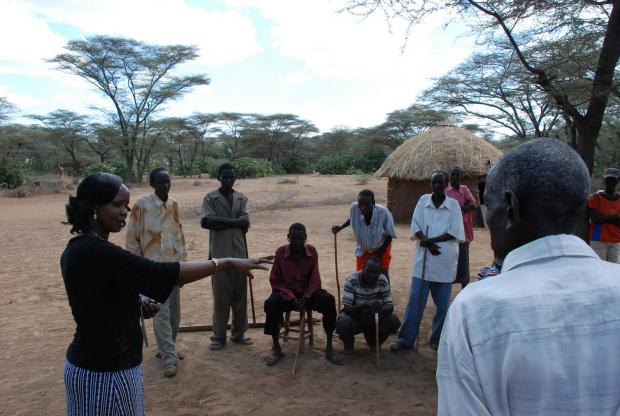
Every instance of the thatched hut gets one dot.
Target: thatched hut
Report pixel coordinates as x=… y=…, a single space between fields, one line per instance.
x=409 y=166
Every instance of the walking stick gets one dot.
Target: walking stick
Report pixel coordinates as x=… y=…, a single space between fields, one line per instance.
x=302 y=336
x=336 y=262
x=377 y=338
x=245 y=243
x=417 y=338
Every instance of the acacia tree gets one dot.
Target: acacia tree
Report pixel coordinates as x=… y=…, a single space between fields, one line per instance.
x=494 y=87
x=400 y=125
x=137 y=78
x=7 y=109
x=231 y=127
x=525 y=23
x=67 y=129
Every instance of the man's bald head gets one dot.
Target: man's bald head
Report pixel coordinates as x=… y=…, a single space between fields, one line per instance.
x=538 y=188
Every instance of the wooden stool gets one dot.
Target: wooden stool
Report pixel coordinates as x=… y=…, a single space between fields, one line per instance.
x=308 y=334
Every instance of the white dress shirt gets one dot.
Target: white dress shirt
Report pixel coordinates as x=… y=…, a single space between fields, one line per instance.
x=438 y=221
x=541 y=338
x=371 y=237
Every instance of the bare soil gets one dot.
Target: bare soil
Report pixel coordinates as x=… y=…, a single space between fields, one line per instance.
x=37 y=325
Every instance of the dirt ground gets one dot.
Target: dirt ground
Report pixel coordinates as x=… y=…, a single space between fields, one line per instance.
x=36 y=324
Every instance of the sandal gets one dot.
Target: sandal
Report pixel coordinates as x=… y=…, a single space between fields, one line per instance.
x=274 y=357
x=217 y=344
x=242 y=340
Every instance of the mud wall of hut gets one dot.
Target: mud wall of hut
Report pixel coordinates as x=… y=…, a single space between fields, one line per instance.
x=403 y=195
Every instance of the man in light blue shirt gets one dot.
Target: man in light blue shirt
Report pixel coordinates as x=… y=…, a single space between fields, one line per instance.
x=542 y=337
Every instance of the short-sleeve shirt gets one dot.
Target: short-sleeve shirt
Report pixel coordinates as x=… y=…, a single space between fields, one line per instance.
x=438 y=221
x=103 y=281
x=371 y=237
x=357 y=294
x=464 y=197
x=606 y=233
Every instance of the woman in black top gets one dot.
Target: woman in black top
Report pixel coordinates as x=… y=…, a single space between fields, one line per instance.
x=103 y=282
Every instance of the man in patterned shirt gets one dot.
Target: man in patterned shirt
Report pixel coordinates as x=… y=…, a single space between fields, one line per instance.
x=154 y=231
x=366 y=293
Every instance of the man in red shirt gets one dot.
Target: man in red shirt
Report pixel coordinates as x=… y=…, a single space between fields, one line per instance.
x=468 y=204
x=296 y=284
x=604 y=211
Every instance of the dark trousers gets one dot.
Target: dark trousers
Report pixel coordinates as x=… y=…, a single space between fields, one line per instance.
x=320 y=301
x=347 y=327
x=462 y=268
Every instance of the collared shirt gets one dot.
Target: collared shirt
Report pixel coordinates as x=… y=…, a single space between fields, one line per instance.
x=355 y=293
x=541 y=338
x=228 y=242
x=464 y=197
x=292 y=278
x=434 y=222
x=371 y=237
x=154 y=229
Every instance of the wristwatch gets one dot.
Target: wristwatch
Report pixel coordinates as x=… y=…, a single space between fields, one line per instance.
x=216 y=262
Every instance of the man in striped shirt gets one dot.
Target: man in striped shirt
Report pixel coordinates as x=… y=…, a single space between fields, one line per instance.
x=365 y=293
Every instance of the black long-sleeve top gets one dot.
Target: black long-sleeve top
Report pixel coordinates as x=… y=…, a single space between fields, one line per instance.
x=103 y=281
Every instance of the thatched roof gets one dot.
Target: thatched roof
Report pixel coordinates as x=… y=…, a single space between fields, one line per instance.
x=439 y=148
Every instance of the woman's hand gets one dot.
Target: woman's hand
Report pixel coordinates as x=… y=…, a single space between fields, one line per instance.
x=245 y=265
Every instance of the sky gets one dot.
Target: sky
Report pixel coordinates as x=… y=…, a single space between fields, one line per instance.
x=262 y=56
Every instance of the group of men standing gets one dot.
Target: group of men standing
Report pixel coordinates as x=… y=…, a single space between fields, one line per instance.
x=506 y=344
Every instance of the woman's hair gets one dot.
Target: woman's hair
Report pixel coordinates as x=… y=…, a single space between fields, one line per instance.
x=95 y=190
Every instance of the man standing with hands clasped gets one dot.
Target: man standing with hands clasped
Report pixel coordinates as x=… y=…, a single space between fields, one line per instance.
x=154 y=231
x=225 y=214
x=437 y=225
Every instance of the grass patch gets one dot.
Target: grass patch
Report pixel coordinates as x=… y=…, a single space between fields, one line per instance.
x=287 y=181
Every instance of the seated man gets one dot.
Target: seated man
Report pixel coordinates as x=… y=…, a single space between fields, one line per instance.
x=365 y=293
x=296 y=285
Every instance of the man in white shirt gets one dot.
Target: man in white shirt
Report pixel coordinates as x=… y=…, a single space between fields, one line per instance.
x=542 y=337
x=437 y=225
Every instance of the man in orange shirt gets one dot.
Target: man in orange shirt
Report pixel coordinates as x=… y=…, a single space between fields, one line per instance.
x=604 y=212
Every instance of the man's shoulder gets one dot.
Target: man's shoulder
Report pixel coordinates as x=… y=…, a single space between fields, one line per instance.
x=240 y=195
x=424 y=199
x=352 y=278
x=453 y=204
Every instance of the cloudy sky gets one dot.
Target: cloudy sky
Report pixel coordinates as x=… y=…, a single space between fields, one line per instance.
x=262 y=56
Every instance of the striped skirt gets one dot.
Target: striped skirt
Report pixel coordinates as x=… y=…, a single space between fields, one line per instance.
x=112 y=393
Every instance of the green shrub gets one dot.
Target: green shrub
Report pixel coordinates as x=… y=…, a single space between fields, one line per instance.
x=354 y=171
x=371 y=161
x=13 y=174
x=295 y=165
x=108 y=167
x=186 y=171
x=247 y=167
x=278 y=169
x=334 y=165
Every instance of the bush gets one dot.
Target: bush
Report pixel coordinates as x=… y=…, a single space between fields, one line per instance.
x=13 y=174
x=295 y=165
x=108 y=167
x=186 y=171
x=334 y=165
x=371 y=161
x=247 y=167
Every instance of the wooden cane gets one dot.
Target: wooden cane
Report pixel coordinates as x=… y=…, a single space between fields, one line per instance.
x=245 y=243
x=300 y=341
x=377 y=338
x=417 y=337
x=336 y=263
